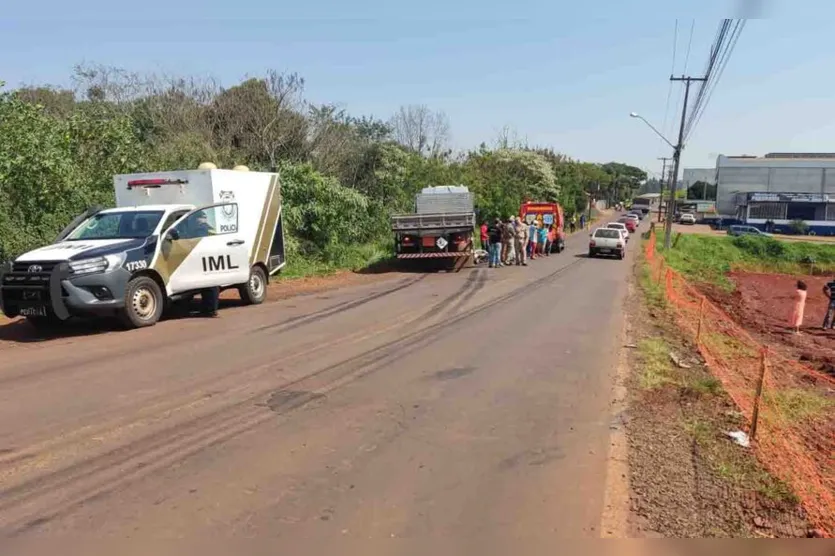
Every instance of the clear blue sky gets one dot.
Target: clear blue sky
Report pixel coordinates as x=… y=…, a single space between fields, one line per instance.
x=562 y=74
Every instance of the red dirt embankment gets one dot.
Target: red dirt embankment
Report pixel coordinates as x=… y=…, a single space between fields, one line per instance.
x=763 y=304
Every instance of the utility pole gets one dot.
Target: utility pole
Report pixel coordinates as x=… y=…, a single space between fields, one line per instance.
x=663 y=174
x=671 y=211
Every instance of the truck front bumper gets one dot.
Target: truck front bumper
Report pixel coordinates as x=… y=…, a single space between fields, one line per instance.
x=46 y=289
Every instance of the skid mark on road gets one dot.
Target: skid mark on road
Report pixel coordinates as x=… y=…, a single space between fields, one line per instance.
x=60 y=492
x=339 y=308
x=451 y=374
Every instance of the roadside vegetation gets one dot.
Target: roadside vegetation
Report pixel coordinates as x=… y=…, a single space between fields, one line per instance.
x=343 y=175
x=709 y=259
x=688 y=478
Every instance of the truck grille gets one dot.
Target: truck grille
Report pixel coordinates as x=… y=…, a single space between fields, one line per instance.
x=34 y=267
x=34 y=274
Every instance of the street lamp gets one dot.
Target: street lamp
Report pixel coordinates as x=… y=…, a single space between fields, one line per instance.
x=652 y=127
x=668 y=225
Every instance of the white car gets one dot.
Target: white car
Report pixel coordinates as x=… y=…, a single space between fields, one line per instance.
x=619 y=226
x=607 y=241
x=687 y=218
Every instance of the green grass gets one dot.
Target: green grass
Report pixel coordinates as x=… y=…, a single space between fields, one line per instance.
x=709 y=259
x=653 y=290
x=336 y=258
x=656 y=369
x=799 y=404
x=735 y=466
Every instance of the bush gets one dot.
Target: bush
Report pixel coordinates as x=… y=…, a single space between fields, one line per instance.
x=761 y=247
x=799 y=227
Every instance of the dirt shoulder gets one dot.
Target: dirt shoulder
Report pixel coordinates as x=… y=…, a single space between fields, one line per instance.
x=687 y=478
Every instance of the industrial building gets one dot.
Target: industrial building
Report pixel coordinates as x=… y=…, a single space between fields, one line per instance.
x=777 y=189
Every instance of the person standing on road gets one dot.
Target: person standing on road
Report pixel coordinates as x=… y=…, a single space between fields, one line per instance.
x=521 y=241
x=209 y=297
x=485 y=239
x=507 y=241
x=829 y=291
x=532 y=235
x=582 y=221
x=494 y=233
x=542 y=240
x=799 y=306
x=573 y=223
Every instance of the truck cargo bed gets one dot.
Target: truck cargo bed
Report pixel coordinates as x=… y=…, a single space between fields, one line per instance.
x=425 y=222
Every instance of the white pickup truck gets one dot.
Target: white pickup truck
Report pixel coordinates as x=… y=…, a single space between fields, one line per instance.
x=607 y=241
x=171 y=235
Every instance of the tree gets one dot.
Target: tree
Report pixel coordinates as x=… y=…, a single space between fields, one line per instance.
x=702 y=190
x=417 y=128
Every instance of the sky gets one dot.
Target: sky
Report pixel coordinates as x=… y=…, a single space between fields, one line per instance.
x=559 y=74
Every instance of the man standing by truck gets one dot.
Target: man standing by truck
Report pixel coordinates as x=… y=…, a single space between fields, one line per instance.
x=507 y=241
x=494 y=232
x=521 y=241
x=209 y=297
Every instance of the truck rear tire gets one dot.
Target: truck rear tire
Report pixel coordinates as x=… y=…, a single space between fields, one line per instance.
x=143 y=303
x=254 y=292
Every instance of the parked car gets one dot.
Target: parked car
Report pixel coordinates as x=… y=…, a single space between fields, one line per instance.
x=620 y=226
x=739 y=230
x=630 y=224
x=637 y=213
x=607 y=241
x=687 y=218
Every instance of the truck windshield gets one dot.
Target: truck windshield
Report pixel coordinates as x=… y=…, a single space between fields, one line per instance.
x=117 y=225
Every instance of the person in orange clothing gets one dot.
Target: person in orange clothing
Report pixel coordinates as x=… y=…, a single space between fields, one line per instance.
x=799 y=306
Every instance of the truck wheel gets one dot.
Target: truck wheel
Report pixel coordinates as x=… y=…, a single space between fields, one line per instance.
x=255 y=290
x=143 y=303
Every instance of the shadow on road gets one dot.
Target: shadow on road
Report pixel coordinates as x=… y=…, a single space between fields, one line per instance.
x=22 y=332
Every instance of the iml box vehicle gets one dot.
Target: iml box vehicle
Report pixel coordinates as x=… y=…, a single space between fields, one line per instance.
x=171 y=235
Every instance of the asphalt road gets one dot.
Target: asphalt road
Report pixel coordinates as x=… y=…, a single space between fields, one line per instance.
x=463 y=412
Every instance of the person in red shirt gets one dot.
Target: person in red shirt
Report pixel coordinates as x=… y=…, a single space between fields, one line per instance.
x=485 y=240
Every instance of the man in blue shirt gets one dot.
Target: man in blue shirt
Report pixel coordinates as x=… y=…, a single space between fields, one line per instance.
x=542 y=238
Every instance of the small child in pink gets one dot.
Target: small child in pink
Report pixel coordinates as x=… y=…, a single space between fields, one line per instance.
x=799 y=306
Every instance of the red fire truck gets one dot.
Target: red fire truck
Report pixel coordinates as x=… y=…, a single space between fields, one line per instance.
x=549 y=215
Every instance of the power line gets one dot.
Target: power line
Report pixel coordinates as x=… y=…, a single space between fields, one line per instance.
x=715 y=50
x=721 y=65
x=686 y=61
x=672 y=71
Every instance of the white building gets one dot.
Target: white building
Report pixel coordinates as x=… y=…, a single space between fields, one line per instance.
x=791 y=173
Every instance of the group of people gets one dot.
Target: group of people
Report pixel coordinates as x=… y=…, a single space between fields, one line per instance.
x=800 y=306
x=515 y=241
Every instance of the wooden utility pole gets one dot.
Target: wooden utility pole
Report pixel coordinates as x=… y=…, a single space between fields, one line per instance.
x=661 y=192
x=671 y=210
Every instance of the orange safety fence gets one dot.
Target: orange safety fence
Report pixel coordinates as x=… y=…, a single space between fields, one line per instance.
x=796 y=443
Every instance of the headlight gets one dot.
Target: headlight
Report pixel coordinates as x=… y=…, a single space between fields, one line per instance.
x=97 y=264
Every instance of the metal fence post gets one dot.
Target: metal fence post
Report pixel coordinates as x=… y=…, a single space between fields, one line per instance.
x=755 y=416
